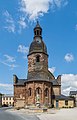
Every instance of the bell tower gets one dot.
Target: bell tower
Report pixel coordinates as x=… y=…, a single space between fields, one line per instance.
x=37 y=57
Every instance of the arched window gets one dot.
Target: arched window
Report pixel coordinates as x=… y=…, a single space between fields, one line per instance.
x=38 y=90
x=46 y=92
x=37 y=32
x=40 y=32
x=30 y=91
x=37 y=58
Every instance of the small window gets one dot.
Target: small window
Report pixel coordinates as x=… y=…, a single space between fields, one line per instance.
x=66 y=102
x=29 y=91
x=9 y=98
x=38 y=58
x=40 y=32
x=37 y=32
x=38 y=90
x=9 y=103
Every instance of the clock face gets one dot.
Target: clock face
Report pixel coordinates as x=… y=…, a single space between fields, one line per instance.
x=38 y=40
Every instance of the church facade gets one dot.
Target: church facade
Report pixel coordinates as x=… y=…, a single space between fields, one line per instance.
x=40 y=88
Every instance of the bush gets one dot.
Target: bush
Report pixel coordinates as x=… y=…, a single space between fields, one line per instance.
x=4 y=105
x=18 y=108
x=63 y=107
x=52 y=106
x=70 y=107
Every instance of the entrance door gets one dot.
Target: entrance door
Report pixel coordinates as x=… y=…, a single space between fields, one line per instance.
x=57 y=103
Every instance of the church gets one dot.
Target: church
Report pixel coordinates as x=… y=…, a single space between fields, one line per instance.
x=40 y=88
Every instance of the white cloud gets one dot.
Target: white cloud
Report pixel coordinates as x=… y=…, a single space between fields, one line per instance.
x=22 y=24
x=9 y=61
x=76 y=27
x=12 y=66
x=23 y=49
x=52 y=70
x=69 y=82
x=6 y=87
x=10 y=28
x=10 y=25
x=36 y=8
x=9 y=58
x=8 y=17
x=69 y=57
x=59 y=3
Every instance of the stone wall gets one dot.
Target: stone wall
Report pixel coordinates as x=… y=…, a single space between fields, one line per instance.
x=34 y=66
x=61 y=103
x=20 y=103
x=56 y=90
x=19 y=93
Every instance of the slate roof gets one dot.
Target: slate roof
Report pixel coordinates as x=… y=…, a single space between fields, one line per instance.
x=36 y=47
x=73 y=92
x=55 y=82
x=7 y=95
x=39 y=76
x=21 y=81
x=40 y=80
x=63 y=97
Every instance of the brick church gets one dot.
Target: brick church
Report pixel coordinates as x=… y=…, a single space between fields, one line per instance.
x=40 y=88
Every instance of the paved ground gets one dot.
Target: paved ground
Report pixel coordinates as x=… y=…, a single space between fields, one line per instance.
x=62 y=114
x=6 y=116
x=15 y=115
x=53 y=114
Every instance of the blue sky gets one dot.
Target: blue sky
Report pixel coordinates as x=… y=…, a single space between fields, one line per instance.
x=58 y=18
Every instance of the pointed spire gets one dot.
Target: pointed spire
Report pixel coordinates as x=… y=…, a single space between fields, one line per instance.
x=37 y=30
x=37 y=22
x=37 y=25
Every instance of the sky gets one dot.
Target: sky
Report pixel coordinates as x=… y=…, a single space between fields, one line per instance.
x=58 y=19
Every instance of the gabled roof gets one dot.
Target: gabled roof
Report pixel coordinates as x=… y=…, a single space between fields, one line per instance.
x=21 y=81
x=73 y=92
x=7 y=95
